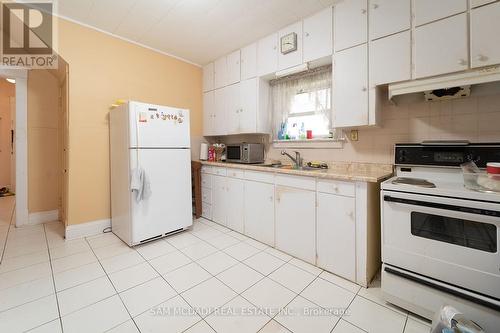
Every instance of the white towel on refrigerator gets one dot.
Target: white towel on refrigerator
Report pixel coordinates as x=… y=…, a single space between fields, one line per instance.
x=140 y=184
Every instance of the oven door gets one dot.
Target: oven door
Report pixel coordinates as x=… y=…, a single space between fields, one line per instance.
x=233 y=153
x=451 y=240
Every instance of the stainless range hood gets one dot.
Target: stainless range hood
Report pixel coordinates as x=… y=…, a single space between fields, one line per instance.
x=446 y=86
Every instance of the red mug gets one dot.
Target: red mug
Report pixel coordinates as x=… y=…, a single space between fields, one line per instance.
x=309 y=134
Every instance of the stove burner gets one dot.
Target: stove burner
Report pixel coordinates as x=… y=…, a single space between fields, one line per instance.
x=413 y=181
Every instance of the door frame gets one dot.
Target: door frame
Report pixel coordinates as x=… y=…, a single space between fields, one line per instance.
x=21 y=141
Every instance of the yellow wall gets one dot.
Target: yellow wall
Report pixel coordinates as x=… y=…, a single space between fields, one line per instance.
x=7 y=91
x=43 y=153
x=101 y=70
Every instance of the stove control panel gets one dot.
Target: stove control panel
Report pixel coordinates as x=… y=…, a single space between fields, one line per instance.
x=447 y=155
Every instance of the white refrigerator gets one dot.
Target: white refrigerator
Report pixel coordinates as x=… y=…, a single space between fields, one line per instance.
x=150 y=171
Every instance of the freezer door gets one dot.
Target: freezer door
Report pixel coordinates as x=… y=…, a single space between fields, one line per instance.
x=168 y=206
x=155 y=126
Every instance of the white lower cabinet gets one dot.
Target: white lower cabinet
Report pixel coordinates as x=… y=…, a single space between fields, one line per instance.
x=332 y=224
x=336 y=230
x=295 y=222
x=235 y=204
x=259 y=211
x=219 y=199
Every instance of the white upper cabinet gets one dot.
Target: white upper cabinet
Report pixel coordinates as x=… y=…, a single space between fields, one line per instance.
x=477 y=3
x=441 y=47
x=208 y=77
x=426 y=11
x=390 y=59
x=220 y=72
x=267 y=55
x=208 y=112
x=485 y=23
x=233 y=67
x=232 y=108
x=318 y=35
x=292 y=58
x=220 y=106
x=350 y=24
x=350 y=88
x=388 y=17
x=249 y=61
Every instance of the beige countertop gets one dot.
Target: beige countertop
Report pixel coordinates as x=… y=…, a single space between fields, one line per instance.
x=364 y=172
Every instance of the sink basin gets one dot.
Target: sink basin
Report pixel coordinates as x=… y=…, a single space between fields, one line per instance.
x=287 y=166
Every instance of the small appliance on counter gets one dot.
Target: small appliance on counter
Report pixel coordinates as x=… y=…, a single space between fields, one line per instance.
x=204 y=151
x=248 y=153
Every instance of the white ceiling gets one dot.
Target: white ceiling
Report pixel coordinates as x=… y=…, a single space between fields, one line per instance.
x=196 y=30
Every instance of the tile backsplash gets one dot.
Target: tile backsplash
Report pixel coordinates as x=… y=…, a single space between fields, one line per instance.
x=409 y=119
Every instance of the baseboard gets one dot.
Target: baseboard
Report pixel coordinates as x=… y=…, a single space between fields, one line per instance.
x=42 y=217
x=87 y=229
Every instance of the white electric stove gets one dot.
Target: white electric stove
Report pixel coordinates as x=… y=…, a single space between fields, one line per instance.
x=440 y=240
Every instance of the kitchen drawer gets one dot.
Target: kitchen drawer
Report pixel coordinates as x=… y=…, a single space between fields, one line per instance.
x=219 y=171
x=235 y=173
x=206 y=210
x=306 y=183
x=206 y=195
x=337 y=187
x=206 y=180
x=206 y=169
x=265 y=177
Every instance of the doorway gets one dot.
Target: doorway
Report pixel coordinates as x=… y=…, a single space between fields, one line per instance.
x=7 y=130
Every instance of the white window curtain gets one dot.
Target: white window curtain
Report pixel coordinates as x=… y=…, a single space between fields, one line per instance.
x=302 y=103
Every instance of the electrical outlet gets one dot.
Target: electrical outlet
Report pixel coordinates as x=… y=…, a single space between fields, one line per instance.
x=354 y=135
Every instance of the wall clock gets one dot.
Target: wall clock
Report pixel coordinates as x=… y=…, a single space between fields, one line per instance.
x=288 y=43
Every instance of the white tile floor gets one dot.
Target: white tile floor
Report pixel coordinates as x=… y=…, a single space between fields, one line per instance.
x=213 y=279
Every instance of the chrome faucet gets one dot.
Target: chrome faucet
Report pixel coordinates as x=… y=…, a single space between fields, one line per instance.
x=297 y=160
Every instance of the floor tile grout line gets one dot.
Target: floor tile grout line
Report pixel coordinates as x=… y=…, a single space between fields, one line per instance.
x=178 y=294
x=53 y=281
x=111 y=282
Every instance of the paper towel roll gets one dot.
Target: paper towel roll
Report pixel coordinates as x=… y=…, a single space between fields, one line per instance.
x=204 y=151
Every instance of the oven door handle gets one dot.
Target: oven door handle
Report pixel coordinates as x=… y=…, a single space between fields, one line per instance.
x=477 y=211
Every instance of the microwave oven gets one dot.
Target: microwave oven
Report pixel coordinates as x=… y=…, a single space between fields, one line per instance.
x=245 y=153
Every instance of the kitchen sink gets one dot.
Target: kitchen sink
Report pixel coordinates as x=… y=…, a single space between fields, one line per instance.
x=291 y=167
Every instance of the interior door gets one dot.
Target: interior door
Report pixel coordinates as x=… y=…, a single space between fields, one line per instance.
x=167 y=206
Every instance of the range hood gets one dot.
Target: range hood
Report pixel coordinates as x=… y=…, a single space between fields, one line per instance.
x=446 y=86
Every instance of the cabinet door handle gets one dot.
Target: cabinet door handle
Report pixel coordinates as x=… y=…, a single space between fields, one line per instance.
x=374 y=6
x=351 y=215
x=307 y=34
x=462 y=62
x=363 y=11
x=271 y=198
x=364 y=89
